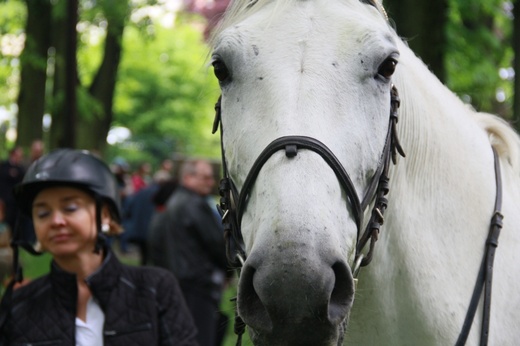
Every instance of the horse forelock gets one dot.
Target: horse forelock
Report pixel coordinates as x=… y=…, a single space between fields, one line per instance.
x=240 y=9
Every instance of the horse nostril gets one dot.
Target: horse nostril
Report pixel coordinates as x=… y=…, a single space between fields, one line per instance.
x=342 y=294
x=250 y=307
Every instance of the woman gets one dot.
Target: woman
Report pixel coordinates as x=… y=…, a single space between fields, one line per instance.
x=89 y=297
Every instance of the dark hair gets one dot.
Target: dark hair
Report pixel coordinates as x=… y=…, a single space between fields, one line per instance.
x=164 y=192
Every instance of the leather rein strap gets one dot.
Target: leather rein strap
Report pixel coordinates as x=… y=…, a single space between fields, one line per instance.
x=485 y=275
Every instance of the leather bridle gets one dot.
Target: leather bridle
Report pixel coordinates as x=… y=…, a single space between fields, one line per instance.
x=233 y=203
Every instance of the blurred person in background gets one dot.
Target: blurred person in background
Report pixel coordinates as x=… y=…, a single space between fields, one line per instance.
x=138 y=211
x=159 y=200
x=11 y=173
x=25 y=224
x=165 y=172
x=120 y=169
x=6 y=253
x=37 y=149
x=188 y=240
x=141 y=176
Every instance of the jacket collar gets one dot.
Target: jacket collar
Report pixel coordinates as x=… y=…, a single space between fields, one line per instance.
x=100 y=282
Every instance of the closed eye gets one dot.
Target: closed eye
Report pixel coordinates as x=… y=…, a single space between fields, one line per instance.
x=41 y=213
x=71 y=207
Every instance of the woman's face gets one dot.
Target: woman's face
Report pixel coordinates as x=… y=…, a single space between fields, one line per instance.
x=64 y=221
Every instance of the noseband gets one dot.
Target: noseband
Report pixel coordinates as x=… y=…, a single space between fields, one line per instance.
x=233 y=203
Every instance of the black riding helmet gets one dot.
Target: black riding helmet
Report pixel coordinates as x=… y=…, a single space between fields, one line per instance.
x=77 y=168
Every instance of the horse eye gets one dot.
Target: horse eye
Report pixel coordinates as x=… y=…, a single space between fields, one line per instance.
x=387 y=68
x=221 y=71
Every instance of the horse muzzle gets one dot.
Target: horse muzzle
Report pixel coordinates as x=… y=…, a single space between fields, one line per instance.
x=290 y=293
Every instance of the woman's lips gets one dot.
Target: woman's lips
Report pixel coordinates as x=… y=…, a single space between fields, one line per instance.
x=60 y=238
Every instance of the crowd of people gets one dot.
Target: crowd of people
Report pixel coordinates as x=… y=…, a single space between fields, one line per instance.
x=168 y=217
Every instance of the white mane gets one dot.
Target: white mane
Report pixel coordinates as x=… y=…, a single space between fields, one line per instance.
x=501 y=135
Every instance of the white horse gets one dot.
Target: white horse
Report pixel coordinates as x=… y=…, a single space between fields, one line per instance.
x=324 y=69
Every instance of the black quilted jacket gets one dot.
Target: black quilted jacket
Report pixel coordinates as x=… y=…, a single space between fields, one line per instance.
x=142 y=306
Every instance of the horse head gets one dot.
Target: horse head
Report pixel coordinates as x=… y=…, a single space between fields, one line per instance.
x=306 y=101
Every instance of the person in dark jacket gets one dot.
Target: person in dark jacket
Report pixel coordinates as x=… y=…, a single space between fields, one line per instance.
x=11 y=174
x=89 y=297
x=187 y=239
x=137 y=214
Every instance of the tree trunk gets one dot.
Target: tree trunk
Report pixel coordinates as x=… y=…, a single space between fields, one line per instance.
x=422 y=24
x=71 y=76
x=103 y=85
x=59 y=39
x=33 y=75
x=102 y=90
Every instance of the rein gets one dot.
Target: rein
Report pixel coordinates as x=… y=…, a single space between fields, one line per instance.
x=485 y=275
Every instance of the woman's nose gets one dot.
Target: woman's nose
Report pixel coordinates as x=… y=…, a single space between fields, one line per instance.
x=57 y=218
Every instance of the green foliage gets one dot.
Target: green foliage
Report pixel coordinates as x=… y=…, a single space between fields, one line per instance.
x=165 y=91
x=90 y=49
x=12 y=20
x=8 y=80
x=88 y=107
x=115 y=11
x=12 y=17
x=479 y=36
